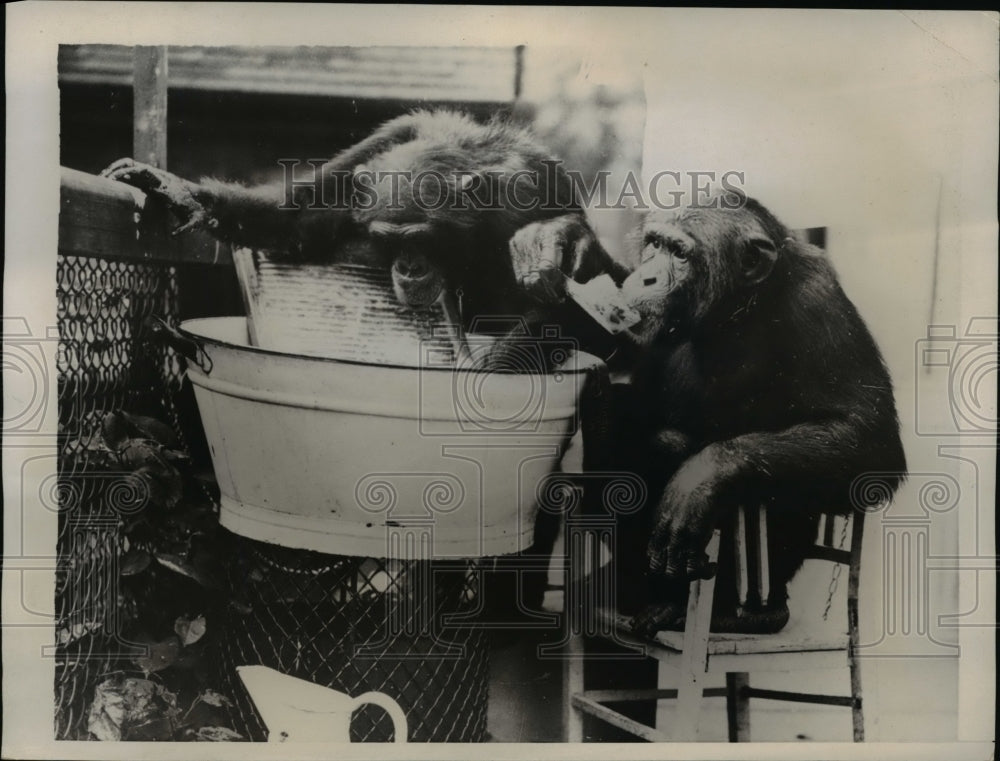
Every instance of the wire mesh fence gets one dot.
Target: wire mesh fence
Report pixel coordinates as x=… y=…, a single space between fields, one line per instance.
x=106 y=360
x=353 y=624
x=360 y=624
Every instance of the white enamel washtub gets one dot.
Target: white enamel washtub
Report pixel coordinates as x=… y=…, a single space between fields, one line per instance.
x=371 y=460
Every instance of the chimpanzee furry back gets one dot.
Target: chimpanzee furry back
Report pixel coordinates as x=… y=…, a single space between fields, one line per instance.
x=431 y=195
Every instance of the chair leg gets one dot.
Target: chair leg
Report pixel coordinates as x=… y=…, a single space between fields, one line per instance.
x=573 y=666
x=685 y=726
x=857 y=703
x=694 y=651
x=738 y=706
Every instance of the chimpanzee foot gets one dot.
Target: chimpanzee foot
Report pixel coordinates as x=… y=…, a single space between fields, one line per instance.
x=175 y=192
x=672 y=616
x=657 y=617
x=768 y=620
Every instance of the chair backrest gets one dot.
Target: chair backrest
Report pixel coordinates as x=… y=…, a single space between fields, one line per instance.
x=750 y=542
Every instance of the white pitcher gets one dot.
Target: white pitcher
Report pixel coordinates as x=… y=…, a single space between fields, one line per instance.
x=295 y=710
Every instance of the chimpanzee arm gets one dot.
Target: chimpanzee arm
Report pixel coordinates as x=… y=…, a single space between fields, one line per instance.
x=285 y=217
x=265 y=216
x=816 y=457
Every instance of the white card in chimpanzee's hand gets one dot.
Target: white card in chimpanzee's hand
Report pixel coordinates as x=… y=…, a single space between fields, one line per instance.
x=603 y=300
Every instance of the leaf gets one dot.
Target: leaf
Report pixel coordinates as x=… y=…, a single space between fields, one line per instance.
x=176 y=455
x=107 y=712
x=198 y=518
x=135 y=561
x=141 y=453
x=179 y=565
x=190 y=659
x=119 y=425
x=159 y=655
x=157 y=728
x=150 y=428
x=240 y=607
x=130 y=708
x=164 y=484
x=115 y=429
x=66 y=635
x=214 y=698
x=217 y=734
x=190 y=631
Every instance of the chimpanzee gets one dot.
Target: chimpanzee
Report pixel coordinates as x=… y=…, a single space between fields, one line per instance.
x=436 y=197
x=431 y=194
x=754 y=382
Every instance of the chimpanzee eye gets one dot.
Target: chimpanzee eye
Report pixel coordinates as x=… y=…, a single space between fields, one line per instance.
x=677 y=249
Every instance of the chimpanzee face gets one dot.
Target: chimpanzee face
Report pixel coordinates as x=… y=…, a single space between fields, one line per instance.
x=407 y=217
x=657 y=288
x=693 y=264
x=417 y=263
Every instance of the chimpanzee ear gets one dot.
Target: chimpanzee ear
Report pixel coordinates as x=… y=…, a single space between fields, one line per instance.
x=757 y=259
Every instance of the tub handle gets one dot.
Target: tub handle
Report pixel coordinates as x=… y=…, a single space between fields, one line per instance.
x=187 y=347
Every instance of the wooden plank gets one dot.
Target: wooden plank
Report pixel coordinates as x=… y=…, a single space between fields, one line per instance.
x=782 y=662
x=792 y=641
x=246 y=274
x=699 y=617
x=616 y=719
x=853 y=631
x=101 y=218
x=627 y=696
x=149 y=106
x=819 y=552
x=764 y=566
x=474 y=75
x=742 y=556
x=800 y=697
x=668 y=645
x=573 y=684
x=694 y=653
x=738 y=706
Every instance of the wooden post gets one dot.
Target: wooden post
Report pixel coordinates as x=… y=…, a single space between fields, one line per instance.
x=853 y=631
x=573 y=671
x=518 y=71
x=149 y=109
x=694 y=655
x=738 y=706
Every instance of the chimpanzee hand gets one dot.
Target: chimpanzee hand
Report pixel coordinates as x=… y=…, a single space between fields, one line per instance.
x=543 y=252
x=177 y=193
x=684 y=521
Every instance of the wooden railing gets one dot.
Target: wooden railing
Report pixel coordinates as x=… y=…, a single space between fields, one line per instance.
x=107 y=219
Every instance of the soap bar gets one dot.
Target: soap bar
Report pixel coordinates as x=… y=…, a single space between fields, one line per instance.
x=602 y=299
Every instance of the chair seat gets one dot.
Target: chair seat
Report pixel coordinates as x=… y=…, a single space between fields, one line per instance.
x=794 y=638
x=684 y=658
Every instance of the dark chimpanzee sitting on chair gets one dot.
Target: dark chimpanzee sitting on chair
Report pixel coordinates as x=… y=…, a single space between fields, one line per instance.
x=754 y=382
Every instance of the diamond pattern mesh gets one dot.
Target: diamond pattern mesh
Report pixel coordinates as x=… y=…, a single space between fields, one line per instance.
x=359 y=624
x=106 y=360
x=354 y=624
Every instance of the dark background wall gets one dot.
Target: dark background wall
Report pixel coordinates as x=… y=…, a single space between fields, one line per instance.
x=233 y=112
x=229 y=135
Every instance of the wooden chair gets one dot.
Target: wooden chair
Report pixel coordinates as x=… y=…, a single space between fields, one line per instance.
x=696 y=651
